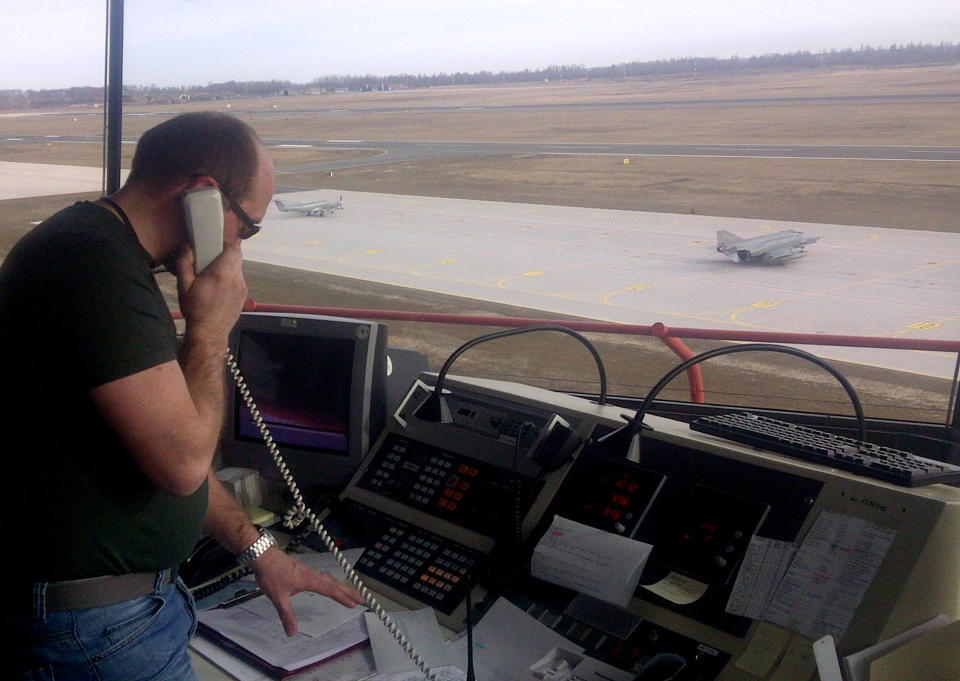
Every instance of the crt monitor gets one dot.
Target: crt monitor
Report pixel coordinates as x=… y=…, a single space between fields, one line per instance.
x=319 y=383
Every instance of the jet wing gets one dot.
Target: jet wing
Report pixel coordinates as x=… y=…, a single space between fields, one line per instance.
x=780 y=253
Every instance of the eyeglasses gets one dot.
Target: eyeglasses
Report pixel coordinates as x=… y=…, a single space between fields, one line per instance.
x=249 y=227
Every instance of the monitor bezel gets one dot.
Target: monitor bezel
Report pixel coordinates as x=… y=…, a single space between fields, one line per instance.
x=314 y=469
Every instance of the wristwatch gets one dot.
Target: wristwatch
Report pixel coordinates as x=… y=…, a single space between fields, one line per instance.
x=256 y=549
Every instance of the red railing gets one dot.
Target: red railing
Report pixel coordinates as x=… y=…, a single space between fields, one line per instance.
x=671 y=337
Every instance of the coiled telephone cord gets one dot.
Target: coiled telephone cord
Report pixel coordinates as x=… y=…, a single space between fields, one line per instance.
x=300 y=511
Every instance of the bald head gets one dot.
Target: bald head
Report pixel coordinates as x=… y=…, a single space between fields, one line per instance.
x=195 y=144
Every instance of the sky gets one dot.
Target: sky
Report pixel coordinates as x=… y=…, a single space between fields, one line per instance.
x=60 y=43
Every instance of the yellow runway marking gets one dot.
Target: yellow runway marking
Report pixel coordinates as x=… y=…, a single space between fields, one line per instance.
x=807 y=294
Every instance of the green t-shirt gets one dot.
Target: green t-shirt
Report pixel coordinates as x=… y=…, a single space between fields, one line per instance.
x=80 y=307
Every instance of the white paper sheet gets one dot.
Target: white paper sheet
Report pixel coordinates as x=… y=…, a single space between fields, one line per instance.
x=421 y=630
x=325 y=562
x=835 y=565
x=764 y=565
x=561 y=664
x=590 y=561
x=442 y=673
x=506 y=642
x=325 y=628
x=235 y=667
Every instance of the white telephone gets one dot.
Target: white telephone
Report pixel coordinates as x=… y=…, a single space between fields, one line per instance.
x=203 y=215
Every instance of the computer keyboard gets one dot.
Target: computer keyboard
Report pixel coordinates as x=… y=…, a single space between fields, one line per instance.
x=800 y=442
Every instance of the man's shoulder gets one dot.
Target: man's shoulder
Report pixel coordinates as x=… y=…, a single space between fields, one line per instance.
x=83 y=220
x=76 y=234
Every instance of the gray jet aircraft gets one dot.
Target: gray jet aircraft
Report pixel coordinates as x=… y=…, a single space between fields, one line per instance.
x=767 y=248
x=318 y=207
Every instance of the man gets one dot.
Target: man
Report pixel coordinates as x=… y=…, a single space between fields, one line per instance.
x=113 y=430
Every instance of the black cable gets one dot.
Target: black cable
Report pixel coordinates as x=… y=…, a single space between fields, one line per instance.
x=436 y=401
x=635 y=425
x=470 y=675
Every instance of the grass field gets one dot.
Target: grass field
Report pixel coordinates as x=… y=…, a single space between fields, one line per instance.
x=829 y=107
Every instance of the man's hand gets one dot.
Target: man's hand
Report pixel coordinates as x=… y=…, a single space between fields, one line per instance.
x=281 y=576
x=211 y=301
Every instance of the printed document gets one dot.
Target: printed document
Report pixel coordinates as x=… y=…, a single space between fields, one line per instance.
x=593 y=562
x=829 y=576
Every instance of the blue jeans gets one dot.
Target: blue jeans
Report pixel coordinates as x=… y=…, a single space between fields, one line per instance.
x=137 y=640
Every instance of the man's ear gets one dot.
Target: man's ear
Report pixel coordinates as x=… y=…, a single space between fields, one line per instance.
x=201 y=181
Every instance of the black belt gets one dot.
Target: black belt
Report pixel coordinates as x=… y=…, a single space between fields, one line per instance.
x=93 y=592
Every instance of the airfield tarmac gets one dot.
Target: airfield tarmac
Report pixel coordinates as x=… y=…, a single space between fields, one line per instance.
x=613 y=265
x=637 y=268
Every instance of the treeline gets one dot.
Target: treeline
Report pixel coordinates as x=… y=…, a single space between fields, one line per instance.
x=864 y=56
x=871 y=57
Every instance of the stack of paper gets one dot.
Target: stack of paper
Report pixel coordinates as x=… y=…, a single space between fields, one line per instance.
x=253 y=632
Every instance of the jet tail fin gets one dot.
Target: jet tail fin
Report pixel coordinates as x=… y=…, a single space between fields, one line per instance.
x=280 y=204
x=724 y=237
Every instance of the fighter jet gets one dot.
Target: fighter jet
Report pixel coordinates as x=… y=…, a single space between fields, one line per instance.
x=767 y=248
x=319 y=207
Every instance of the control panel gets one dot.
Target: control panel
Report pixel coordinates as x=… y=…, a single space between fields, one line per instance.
x=442 y=500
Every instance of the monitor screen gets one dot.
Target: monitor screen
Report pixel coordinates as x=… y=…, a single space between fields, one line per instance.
x=304 y=403
x=319 y=384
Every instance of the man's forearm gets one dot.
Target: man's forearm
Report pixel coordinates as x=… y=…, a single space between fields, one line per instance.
x=203 y=364
x=225 y=520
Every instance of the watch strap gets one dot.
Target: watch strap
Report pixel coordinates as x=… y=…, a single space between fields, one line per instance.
x=247 y=557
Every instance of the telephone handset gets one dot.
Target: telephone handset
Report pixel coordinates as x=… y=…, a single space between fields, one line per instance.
x=301 y=512
x=203 y=215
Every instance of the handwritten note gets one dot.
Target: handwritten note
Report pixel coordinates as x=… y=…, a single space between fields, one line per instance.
x=828 y=578
x=764 y=566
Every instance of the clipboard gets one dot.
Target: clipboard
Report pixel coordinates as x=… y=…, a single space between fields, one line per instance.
x=271 y=670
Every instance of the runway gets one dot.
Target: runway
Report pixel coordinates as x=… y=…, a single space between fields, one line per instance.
x=614 y=265
x=638 y=268
x=389 y=151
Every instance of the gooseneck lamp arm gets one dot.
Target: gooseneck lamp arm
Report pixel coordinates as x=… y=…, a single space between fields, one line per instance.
x=436 y=407
x=628 y=436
